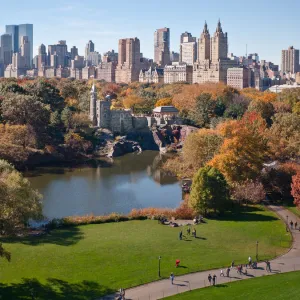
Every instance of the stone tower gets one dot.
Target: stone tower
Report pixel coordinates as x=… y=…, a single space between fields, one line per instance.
x=204 y=44
x=93 y=101
x=104 y=113
x=219 y=45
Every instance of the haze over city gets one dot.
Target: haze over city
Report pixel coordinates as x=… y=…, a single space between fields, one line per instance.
x=266 y=28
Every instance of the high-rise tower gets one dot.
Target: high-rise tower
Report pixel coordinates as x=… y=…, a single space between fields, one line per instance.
x=204 y=44
x=162 y=46
x=219 y=44
x=90 y=47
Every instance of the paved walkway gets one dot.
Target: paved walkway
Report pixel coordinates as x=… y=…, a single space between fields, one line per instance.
x=163 y=288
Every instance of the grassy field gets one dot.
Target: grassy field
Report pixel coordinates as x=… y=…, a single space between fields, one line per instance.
x=279 y=287
x=88 y=261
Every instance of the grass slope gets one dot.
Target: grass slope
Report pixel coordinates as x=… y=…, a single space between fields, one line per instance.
x=88 y=261
x=279 y=287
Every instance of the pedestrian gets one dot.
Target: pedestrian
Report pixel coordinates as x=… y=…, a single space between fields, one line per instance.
x=296 y=224
x=232 y=264
x=221 y=273
x=228 y=271
x=214 y=279
x=269 y=267
x=180 y=235
x=250 y=260
x=172 y=278
x=188 y=231
x=291 y=223
x=194 y=233
x=209 y=279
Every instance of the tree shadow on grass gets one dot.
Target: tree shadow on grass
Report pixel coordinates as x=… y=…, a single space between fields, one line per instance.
x=63 y=237
x=53 y=289
x=246 y=217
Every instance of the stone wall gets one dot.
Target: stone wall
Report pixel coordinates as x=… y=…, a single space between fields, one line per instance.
x=140 y=123
x=121 y=121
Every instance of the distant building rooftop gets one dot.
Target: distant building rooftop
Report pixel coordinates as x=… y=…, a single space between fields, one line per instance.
x=165 y=109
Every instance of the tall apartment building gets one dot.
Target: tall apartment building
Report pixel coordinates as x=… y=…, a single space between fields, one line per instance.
x=162 y=46
x=178 y=73
x=129 y=60
x=188 y=49
x=239 y=78
x=94 y=58
x=213 y=62
x=290 y=60
x=174 y=57
x=57 y=54
x=17 y=31
x=90 y=47
x=42 y=56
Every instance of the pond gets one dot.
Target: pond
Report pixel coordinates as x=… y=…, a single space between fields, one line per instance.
x=131 y=181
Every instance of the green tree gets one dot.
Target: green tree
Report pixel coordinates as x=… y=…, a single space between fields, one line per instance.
x=209 y=191
x=46 y=93
x=203 y=111
x=19 y=201
x=66 y=117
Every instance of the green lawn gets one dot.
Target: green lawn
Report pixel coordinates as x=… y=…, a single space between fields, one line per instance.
x=280 y=287
x=87 y=261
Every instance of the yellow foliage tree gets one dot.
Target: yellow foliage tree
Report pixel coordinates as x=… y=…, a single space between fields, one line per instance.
x=163 y=102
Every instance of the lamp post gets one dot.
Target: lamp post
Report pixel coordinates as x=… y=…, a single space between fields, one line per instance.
x=256 y=250
x=159 y=258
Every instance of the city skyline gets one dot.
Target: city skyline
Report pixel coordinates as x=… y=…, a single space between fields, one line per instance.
x=80 y=22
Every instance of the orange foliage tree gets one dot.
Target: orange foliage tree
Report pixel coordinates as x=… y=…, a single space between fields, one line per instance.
x=296 y=189
x=242 y=154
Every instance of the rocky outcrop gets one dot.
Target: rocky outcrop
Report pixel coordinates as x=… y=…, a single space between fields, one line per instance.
x=122 y=147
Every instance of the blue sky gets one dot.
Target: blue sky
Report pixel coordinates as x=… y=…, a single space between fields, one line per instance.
x=266 y=26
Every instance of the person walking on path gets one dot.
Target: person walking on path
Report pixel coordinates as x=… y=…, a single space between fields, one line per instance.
x=228 y=271
x=296 y=224
x=214 y=279
x=291 y=223
x=232 y=264
x=180 y=235
x=172 y=278
x=188 y=231
x=209 y=279
x=194 y=233
x=250 y=261
x=221 y=273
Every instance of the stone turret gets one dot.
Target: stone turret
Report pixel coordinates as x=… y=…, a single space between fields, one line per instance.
x=93 y=101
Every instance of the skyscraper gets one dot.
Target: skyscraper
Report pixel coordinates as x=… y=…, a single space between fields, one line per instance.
x=74 y=52
x=290 y=60
x=188 y=48
x=213 y=62
x=5 y=49
x=17 y=31
x=129 y=60
x=162 y=46
x=25 y=51
x=42 y=56
x=90 y=47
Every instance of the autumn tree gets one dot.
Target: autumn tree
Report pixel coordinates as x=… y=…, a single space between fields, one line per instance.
x=249 y=191
x=296 y=189
x=242 y=153
x=200 y=147
x=19 y=201
x=131 y=100
x=163 y=102
x=209 y=191
x=203 y=111
x=284 y=136
x=264 y=108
